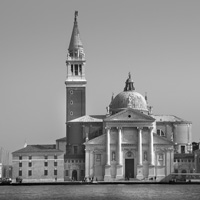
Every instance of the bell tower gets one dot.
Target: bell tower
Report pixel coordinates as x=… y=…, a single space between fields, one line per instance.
x=75 y=105
x=75 y=81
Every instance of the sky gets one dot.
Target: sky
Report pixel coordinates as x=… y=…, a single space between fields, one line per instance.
x=157 y=41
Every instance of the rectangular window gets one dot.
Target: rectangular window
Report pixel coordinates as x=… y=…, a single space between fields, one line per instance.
x=30 y=157
x=72 y=69
x=30 y=164
x=75 y=150
x=55 y=157
x=76 y=70
x=182 y=149
x=45 y=157
x=20 y=164
x=29 y=172
x=80 y=69
x=46 y=164
x=46 y=172
x=55 y=172
x=20 y=157
x=66 y=173
x=20 y=172
x=55 y=164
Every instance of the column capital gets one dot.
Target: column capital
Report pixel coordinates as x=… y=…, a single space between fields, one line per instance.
x=140 y=128
x=119 y=127
x=150 y=128
x=107 y=128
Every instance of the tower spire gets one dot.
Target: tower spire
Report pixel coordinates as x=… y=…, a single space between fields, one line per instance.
x=75 y=81
x=75 y=46
x=75 y=57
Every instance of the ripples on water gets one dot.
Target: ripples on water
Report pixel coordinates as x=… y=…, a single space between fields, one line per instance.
x=111 y=192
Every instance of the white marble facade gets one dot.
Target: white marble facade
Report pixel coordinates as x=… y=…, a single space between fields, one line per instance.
x=128 y=149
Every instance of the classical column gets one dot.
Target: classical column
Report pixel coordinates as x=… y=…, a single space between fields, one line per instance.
x=176 y=146
x=139 y=145
x=107 y=176
x=119 y=145
x=87 y=163
x=108 y=145
x=174 y=133
x=151 y=146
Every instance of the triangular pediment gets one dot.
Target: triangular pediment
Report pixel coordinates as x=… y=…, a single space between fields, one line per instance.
x=161 y=140
x=100 y=140
x=130 y=115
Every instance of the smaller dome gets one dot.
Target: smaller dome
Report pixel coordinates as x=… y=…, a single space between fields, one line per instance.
x=128 y=99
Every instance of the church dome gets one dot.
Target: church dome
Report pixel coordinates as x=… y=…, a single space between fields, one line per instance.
x=129 y=98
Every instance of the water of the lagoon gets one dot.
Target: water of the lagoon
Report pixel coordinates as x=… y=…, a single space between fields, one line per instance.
x=87 y=192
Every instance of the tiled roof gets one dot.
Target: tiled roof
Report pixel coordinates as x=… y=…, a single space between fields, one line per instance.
x=86 y=118
x=98 y=116
x=61 y=139
x=168 y=118
x=38 y=148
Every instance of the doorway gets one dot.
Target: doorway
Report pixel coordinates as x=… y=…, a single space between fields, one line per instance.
x=74 y=175
x=129 y=168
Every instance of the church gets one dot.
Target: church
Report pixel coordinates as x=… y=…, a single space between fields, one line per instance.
x=129 y=142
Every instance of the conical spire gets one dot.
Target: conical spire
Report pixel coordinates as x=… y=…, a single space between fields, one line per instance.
x=75 y=42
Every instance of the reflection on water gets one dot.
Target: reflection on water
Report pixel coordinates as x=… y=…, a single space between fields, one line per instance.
x=117 y=192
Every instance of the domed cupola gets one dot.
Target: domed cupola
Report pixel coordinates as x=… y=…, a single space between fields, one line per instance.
x=129 y=98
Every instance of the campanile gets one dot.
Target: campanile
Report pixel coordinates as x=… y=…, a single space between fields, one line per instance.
x=75 y=81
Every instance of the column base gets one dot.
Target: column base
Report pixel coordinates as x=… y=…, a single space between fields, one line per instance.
x=139 y=172
x=107 y=176
x=119 y=171
x=151 y=172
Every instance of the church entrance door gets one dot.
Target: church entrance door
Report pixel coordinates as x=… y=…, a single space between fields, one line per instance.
x=129 y=168
x=74 y=175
